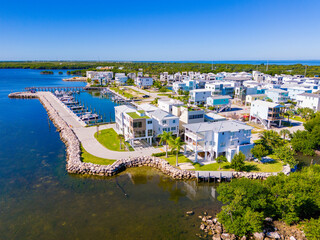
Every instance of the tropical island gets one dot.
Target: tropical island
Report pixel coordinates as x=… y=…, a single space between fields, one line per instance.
x=46 y=72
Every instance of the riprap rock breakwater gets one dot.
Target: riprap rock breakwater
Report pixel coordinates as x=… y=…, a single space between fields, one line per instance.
x=74 y=163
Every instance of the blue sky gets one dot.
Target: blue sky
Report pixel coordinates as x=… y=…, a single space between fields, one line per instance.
x=160 y=30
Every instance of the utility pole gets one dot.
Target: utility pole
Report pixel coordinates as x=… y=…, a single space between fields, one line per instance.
x=305 y=71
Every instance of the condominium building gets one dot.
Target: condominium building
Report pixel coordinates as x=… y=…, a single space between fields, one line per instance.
x=212 y=139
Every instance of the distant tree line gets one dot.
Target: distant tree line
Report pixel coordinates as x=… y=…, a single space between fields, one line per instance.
x=155 y=68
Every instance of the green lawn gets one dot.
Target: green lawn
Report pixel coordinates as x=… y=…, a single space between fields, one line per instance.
x=275 y=166
x=123 y=93
x=109 y=139
x=298 y=118
x=87 y=157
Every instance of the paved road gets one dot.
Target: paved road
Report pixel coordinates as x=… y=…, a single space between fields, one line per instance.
x=86 y=134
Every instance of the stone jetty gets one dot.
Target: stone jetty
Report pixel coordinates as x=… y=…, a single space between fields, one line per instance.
x=75 y=165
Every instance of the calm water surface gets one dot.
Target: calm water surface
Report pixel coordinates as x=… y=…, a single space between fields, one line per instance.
x=39 y=200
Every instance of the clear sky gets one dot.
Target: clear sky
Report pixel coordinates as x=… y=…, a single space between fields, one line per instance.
x=160 y=30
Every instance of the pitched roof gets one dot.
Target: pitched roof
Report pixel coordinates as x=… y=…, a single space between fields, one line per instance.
x=222 y=126
x=160 y=114
x=310 y=95
x=267 y=104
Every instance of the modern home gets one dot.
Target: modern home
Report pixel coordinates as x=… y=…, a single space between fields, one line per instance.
x=212 y=139
x=120 y=78
x=309 y=100
x=164 y=121
x=218 y=88
x=143 y=82
x=134 y=124
x=219 y=102
x=199 y=96
x=254 y=97
x=295 y=90
x=277 y=95
x=167 y=104
x=147 y=107
x=179 y=86
x=188 y=114
x=266 y=112
x=213 y=117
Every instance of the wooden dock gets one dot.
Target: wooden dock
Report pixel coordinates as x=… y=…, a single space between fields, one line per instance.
x=216 y=176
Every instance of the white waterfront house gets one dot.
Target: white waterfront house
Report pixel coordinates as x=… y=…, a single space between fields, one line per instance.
x=219 y=102
x=188 y=114
x=199 y=96
x=277 y=95
x=266 y=112
x=121 y=78
x=254 y=97
x=134 y=124
x=166 y=104
x=309 y=100
x=143 y=82
x=164 y=121
x=212 y=139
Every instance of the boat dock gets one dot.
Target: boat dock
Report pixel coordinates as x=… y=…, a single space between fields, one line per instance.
x=53 y=89
x=216 y=176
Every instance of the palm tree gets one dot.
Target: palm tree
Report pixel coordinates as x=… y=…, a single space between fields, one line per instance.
x=120 y=137
x=165 y=137
x=176 y=144
x=270 y=139
x=284 y=133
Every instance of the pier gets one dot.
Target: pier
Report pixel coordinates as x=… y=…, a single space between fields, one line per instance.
x=52 y=89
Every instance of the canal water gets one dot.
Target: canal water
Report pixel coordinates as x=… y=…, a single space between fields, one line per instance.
x=39 y=200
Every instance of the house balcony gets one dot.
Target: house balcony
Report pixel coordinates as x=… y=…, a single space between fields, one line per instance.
x=194 y=136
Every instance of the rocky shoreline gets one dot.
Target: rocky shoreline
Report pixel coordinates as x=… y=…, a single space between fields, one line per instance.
x=75 y=165
x=272 y=230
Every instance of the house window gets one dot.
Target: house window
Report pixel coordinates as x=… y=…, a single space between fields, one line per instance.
x=173 y=121
x=150 y=132
x=164 y=122
x=149 y=121
x=173 y=128
x=137 y=124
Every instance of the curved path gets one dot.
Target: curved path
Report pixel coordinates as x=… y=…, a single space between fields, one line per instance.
x=86 y=134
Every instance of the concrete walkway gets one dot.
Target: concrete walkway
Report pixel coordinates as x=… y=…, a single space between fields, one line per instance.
x=86 y=134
